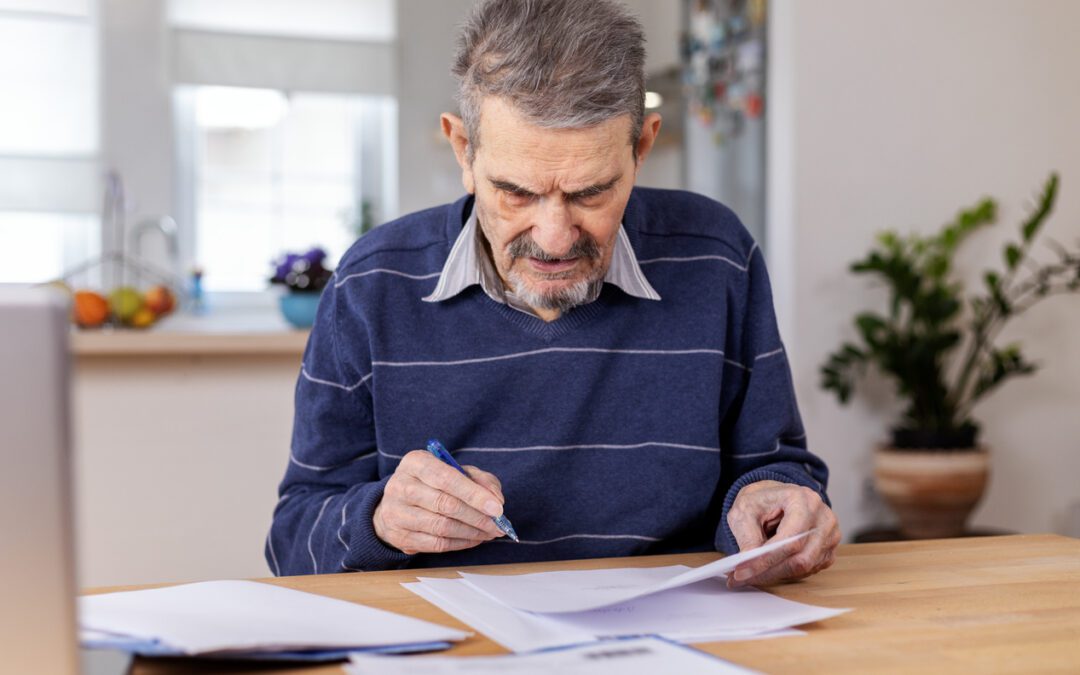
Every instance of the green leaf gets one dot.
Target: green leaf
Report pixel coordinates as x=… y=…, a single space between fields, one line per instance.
x=1012 y=256
x=1046 y=204
x=870 y=326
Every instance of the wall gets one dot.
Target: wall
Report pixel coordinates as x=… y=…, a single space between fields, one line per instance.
x=888 y=114
x=136 y=110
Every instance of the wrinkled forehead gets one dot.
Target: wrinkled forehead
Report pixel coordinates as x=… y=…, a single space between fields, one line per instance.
x=512 y=143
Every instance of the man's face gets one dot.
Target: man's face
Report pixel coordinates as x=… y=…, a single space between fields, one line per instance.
x=549 y=201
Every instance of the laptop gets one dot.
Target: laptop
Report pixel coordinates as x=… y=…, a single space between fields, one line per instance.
x=37 y=556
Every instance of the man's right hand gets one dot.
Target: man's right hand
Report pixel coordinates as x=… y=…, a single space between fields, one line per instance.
x=429 y=507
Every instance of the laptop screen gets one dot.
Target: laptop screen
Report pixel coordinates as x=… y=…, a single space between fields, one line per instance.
x=37 y=608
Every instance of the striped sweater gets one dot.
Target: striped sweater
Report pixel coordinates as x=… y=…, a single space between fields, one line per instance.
x=625 y=427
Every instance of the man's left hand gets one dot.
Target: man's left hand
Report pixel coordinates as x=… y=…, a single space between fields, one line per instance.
x=768 y=509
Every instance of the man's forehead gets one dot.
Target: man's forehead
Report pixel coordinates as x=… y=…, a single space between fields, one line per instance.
x=503 y=124
x=539 y=159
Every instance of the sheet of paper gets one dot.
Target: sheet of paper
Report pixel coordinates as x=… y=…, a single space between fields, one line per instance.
x=639 y=656
x=221 y=616
x=517 y=631
x=703 y=612
x=576 y=591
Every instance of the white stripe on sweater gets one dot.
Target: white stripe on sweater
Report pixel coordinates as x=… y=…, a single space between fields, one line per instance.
x=695 y=258
x=346 y=387
x=548 y=350
x=344 y=503
x=769 y=354
x=315 y=467
x=315 y=563
x=745 y=267
x=383 y=270
x=582 y=536
x=593 y=446
x=273 y=556
x=758 y=454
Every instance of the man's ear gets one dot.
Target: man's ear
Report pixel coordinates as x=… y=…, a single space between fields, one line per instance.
x=650 y=128
x=454 y=130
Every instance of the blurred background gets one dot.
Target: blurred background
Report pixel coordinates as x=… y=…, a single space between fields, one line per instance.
x=188 y=144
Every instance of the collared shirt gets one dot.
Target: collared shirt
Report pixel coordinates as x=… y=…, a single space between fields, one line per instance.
x=469 y=264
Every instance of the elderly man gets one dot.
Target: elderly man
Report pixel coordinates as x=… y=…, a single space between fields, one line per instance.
x=604 y=358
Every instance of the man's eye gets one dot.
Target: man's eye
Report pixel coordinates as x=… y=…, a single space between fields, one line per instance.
x=517 y=197
x=589 y=199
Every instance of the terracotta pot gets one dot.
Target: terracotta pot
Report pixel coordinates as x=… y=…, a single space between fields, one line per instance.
x=931 y=492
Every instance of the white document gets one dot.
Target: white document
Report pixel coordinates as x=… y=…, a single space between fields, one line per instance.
x=702 y=612
x=220 y=616
x=576 y=591
x=517 y=631
x=640 y=656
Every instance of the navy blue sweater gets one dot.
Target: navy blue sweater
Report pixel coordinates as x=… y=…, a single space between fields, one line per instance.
x=625 y=427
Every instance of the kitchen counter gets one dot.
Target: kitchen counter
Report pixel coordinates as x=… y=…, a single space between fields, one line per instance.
x=260 y=332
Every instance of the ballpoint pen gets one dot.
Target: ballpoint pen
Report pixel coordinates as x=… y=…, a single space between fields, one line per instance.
x=436 y=448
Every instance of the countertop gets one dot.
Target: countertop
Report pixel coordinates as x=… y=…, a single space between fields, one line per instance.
x=256 y=332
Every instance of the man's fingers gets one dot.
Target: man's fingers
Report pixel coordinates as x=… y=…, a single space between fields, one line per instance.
x=745 y=523
x=416 y=519
x=443 y=478
x=486 y=479
x=819 y=553
x=427 y=498
x=751 y=569
x=797 y=560
x=421 y=542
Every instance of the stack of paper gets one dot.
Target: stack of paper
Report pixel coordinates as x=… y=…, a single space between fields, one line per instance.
x=246 y=619
x=551 y=609
x=639 y=656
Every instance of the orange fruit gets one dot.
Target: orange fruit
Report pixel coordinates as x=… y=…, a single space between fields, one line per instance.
x=89 y=309
x=144 y=317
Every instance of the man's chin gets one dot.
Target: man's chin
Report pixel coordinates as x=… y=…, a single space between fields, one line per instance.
x=559 y=294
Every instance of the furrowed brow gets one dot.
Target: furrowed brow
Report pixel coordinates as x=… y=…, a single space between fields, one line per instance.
x=512 y=188
x=593 y=190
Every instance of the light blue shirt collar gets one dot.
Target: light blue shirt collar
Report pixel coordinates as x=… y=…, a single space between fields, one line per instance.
x=468 y=264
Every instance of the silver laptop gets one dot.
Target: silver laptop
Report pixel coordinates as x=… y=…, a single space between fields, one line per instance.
x=37 y=571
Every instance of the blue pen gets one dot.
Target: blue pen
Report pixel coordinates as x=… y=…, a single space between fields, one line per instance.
x=436 y=448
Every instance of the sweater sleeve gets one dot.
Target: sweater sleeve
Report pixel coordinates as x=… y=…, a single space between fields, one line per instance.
x=323 y=519
x=761 y=431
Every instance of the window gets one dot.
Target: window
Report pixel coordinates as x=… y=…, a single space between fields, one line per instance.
x=49 y=182
x=272 y=172
x=367 y=20
x=286 y=141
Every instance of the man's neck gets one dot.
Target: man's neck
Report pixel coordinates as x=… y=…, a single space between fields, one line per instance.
x=548 y=315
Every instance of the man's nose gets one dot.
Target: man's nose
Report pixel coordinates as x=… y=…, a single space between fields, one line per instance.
x=554 y=229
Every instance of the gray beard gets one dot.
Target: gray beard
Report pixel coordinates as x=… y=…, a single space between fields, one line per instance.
x=563 y=299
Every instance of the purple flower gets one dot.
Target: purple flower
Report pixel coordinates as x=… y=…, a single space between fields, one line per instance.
x=302 y=272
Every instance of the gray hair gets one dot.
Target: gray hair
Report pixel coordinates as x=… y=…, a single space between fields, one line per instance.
x=561 y=63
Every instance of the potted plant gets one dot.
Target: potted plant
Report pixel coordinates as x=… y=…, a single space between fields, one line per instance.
x=938 y=343
x=304 y=276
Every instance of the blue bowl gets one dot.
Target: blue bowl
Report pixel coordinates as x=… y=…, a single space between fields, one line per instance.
x=299 y=308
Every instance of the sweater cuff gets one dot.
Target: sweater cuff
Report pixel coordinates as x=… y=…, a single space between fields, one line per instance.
x=367 y=552
x=725 y=540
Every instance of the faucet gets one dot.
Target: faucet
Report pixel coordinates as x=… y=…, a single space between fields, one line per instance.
x=166 y=226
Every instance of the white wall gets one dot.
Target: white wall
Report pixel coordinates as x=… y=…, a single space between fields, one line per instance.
x=896 y=114
x=136 y=114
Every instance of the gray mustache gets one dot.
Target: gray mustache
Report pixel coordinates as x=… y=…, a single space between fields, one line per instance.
x=525 y=247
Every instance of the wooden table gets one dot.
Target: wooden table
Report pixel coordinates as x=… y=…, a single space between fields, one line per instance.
x=993 y=604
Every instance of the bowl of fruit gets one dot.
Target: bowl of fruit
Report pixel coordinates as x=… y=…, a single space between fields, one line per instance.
x=304 y=277
x=125 y=306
